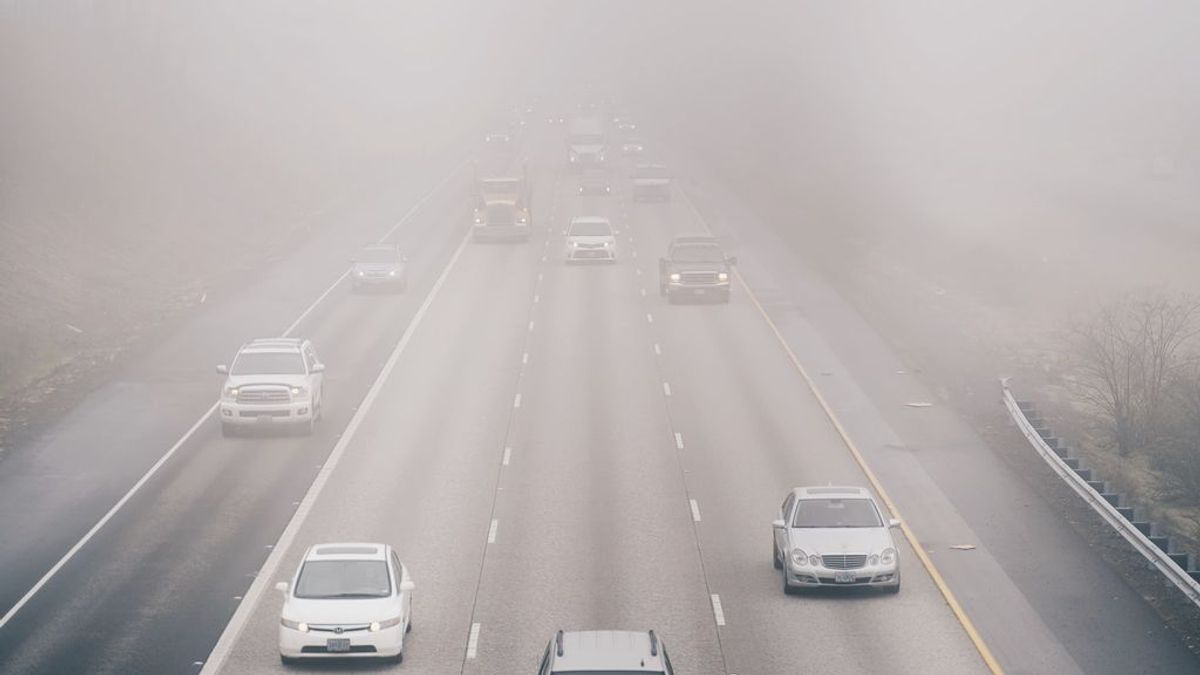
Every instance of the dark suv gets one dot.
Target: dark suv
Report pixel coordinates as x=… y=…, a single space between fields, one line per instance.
x=695 y=267
x=609 y=652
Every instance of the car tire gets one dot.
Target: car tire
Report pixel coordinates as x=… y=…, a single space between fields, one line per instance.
x=788 y=589
x=892 y=590
x=397 y=659
x=775 y=557
x=286 y=660
x=408 y=626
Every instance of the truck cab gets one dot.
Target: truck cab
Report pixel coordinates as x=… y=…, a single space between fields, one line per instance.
x=587 y=144
x=503 y=208
x=695 y=267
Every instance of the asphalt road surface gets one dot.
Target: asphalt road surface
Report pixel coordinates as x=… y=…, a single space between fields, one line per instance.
x=548 y=446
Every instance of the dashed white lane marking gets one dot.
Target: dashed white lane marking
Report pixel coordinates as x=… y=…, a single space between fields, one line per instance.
x=507 y=455
x=539 y=276
x=695 y=510
x=657 y=349
x=634 y=253
x=473 y=641
x=517 y=401
x=536 y=298
x=643 y=292
x=639 y=271
x=678 y=440
x=492 y=531
x=531 y=325
x=543 y=258
x=718 y=613
x=525 y=358
x=649 y=317
x=666 y=388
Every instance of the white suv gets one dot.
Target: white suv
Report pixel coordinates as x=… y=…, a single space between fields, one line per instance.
x=591 y=238
x=277 y=381
x=346 y=600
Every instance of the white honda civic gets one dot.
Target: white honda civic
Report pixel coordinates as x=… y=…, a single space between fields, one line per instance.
x=346 y=600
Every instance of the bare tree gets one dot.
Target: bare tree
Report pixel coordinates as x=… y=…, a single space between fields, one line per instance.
x=1127 y=353
x=1177 y=455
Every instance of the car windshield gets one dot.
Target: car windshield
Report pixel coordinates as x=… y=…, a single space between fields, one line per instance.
x=587 y=139
x=836 y=513
x=650 y=172
x=268 y=363
x=377 y=255
x=612 y=672
x=344 y=579
x=590 y=230
x=697 y=253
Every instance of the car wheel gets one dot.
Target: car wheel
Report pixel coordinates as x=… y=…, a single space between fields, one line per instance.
x=775 y=556
x=307 y=428
x=408 y=627
x=892 y=590
x=286 y=660
x=397 y=659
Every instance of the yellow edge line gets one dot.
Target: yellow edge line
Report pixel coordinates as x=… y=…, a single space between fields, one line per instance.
x=960 y=614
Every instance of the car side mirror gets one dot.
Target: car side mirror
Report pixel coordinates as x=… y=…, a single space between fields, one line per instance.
x=222 y=369
x=893 y=523
x=282 y=587
x=407 y=586
x=318 y=368
x=732 y=260
x=777 y=524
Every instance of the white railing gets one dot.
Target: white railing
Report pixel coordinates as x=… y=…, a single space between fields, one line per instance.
x=1157 y=557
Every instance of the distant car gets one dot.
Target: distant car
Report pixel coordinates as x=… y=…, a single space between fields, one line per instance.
x=272 y=382
x=632 y=147
x=605 y=652
x=498 y=138
x=651 y=183
x=346 y=600
x=595 y=183
x=834 y=537
x=695 y=267
x=379 y=266
x=591 y=238
x=624 y=124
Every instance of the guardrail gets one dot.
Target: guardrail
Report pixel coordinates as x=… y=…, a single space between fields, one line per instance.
x=1141 y=535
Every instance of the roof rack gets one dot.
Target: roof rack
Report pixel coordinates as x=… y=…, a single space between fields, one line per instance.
x=653 y=643
x=558 y=642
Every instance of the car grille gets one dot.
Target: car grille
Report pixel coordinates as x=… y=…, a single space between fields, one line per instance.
x=501 y=215
x=333 y=628
x=272 y=395
x=264 y=413
x=698 y=277
x=844 y=561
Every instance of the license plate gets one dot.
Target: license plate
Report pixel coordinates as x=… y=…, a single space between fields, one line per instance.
x=843 y=577
x=337 y=644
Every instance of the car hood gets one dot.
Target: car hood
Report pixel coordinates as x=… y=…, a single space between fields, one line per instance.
x=589 y=148
x=697 y=266
x=282 y=380
x=824 y=541
x=343 y=611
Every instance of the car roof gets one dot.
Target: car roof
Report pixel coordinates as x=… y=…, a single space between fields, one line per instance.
x=694 y=239
x=273 y=345
x=832 y=492
x=347 y=551
x=615 y=650
x=590 y=219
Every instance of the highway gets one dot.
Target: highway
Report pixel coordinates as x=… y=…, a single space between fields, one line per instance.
x=548 y=446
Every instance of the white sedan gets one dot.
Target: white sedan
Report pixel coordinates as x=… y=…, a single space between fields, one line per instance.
x=346 y=600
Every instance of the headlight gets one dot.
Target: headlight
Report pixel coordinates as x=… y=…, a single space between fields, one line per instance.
x=231 y=392
x=799 y=557
x=523 y=218
x=359 y=273
x=814 y=560
x=377 y=626
x=675 y=276
x=391 y=273
x=478 y=218
x=888 y=557
x=299 y=391
x=294 y=625
x=722 y=276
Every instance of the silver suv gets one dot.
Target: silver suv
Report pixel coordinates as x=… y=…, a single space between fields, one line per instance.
x=605 y=652
x=834 y=536
x=273 y=381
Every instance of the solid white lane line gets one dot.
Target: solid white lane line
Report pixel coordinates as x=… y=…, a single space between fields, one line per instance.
x=678 y=441
x=192 y=430
x=517 y=400
x=695 y=510
x=492 y=531
x=666 y=388
x=657 y=349
x=220 y=652
x=507 y=455
x=473 y=641
x=718 y=612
